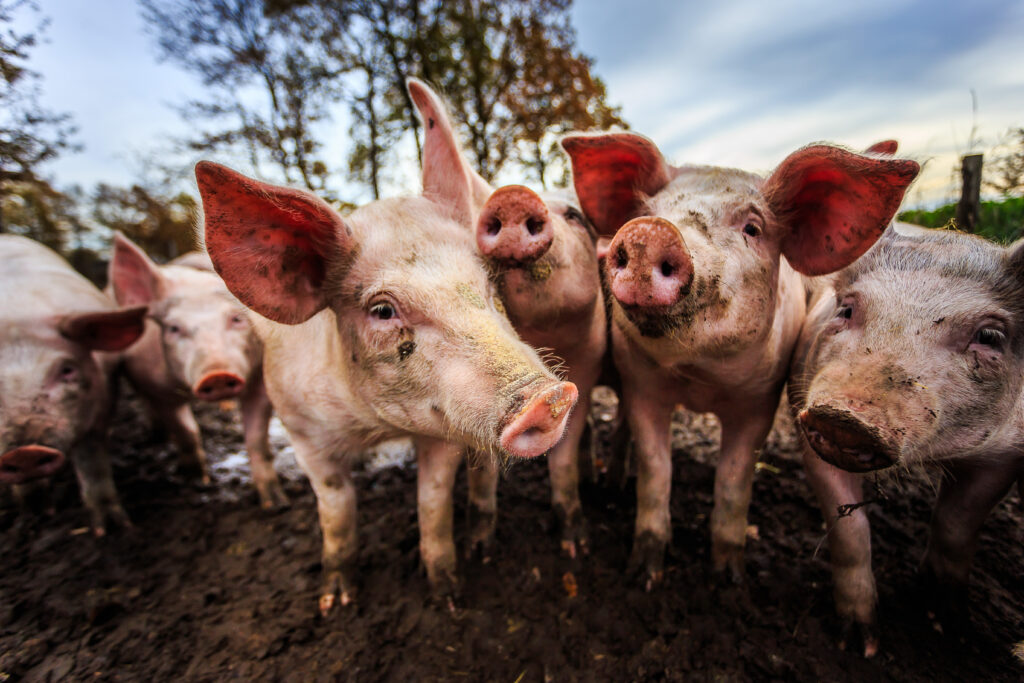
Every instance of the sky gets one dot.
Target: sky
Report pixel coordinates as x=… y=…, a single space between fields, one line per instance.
x=737 y=83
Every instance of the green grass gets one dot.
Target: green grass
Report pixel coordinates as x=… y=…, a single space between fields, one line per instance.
x=1001 y=221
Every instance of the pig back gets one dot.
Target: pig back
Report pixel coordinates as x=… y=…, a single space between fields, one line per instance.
x=37 y=282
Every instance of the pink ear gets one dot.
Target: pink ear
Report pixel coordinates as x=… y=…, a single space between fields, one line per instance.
x=105 y=330
x=135 y=279
x=834 y=204
x=613 y=173
x=272 y=245
x=884 y=147
x=447 y=179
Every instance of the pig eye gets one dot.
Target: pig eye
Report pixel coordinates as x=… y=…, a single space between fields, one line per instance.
x=845 y=312
x=67 y=372
x=237 y=319
x=382 y=311
x=752 y=230
x=173 y=329
x=990 y=337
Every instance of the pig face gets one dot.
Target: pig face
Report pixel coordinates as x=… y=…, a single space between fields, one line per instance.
x=414 y=341
x=694 y=258
x=208 y=345
x=52 y=389
x=918 y=357
x=542 y=252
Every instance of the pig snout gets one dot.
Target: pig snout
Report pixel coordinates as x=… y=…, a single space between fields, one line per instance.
x=848 y=440
x=218 y=385
x=514 y=226
x=539 y=424
x=29 y=462
x=648 y=265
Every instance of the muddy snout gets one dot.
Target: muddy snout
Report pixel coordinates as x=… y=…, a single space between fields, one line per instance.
x=514 y=226
x=648 y=264
x=539 y=423
x=218 y=386
x=844 y=439
x=29 y=462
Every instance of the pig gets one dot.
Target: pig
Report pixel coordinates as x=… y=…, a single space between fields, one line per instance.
x=377 y=325
x=542 y=257
x=198 y=345
x=704 y=269
x=57 y=336
x=913 y=356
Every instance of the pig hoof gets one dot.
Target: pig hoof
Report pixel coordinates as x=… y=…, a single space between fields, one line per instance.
x=273 y=497
x=858 y=635
x=445 y=589
x=481 y=534
x=335 y=590
x=112 y=513
x=648 y=557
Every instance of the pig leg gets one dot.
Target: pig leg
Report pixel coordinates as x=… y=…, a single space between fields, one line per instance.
x=96 y=481
x=849 y=542
x=563 y=467
x=436 y=465
x=966 y=497
x=185 y=433
x=649 y=422
x=330 y=475
x=256 y=412
x=482 y=478
x=743 y=433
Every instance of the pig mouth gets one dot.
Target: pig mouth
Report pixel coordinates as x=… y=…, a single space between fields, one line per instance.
x=841 y=439
x=540 y=423
x=26 y=463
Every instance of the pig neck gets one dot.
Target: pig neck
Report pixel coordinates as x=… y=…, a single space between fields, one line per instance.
x=761 y=363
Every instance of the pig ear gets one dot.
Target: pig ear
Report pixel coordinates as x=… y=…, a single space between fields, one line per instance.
x=834 y=204
x=104 y=330
x=135 y=279
x=884 y=147
x=448 y=179
x=613 y=175
x=273 y=246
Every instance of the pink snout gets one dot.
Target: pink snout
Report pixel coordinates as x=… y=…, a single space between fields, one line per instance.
x=29 y=462
x=842 y=438
x=648 y=265
x=219 y=385
x=540 y=423
x=514 y=226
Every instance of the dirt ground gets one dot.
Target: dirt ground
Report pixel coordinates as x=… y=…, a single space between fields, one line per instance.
x=208 y=587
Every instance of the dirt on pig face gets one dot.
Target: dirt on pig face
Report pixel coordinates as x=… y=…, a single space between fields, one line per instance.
x=209 y=587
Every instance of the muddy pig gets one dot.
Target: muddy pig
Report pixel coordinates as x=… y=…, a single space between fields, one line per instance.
x=914 y=356
x=377 y=325
x=707 y=298
x=58 y=333
x=198 y=344
x=541 y=253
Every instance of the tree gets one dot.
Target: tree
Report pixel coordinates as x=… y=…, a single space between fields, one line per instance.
x=1005 y=168
x=30 y=135
x=269 y=82
x=162 y=225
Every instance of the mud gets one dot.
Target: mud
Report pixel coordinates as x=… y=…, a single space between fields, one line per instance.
x=208 y=587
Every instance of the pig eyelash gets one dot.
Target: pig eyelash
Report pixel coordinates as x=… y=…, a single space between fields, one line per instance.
x=990 y=337
x=383 y=310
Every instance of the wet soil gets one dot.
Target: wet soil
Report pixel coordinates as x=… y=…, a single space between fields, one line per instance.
x=208 y=587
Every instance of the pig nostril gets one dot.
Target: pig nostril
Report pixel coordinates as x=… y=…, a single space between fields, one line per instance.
x=534 y=225
x=667 y=269
x=232 y=383
x=621 y=257
x=7 y=467
x=493 y=226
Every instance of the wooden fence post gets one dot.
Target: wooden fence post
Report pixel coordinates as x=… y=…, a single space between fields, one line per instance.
x=968 y=210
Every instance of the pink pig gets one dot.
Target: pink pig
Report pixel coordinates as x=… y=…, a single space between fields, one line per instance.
x=57 y=335
x=198 y=344
x=913 y=355
x=542 y=257
x=704 y=269
x=381 y=324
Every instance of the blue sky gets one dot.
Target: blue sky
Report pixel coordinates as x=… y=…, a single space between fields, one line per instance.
x=737 y=83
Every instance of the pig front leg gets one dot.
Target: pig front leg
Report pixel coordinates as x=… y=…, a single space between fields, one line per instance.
x=849 y=542
x=96 y=482
x=966 y=497
x=436 y=465
x=743 y=433
x=649 y=421
x=184 y=429
x=564 y=470
x=256 y=412
x=482 y=513
x=330 y=475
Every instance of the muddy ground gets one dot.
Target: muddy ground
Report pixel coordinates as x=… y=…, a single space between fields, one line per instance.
x=208 y=587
